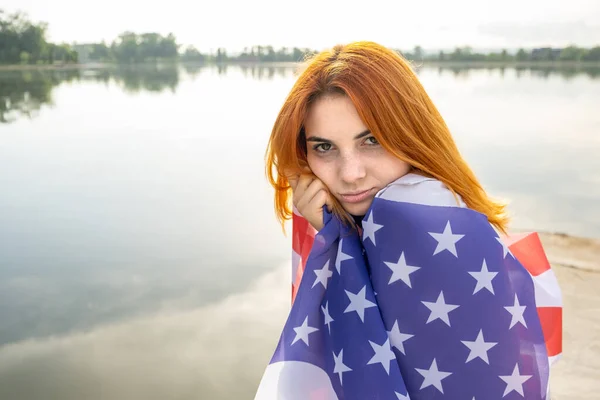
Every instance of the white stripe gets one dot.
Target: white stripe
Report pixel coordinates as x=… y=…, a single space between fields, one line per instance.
x=295 y=380
x=552 y=360
x=547 y=290
x=296 y=258
x=417 y=189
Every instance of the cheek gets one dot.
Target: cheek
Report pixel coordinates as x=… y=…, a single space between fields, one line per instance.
x=392 y=169
x=324 y=170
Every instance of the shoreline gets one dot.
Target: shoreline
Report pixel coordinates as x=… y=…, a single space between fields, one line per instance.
x=423 y=63
x=572 y=252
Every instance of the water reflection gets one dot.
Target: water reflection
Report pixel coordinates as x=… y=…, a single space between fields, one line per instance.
x=23 y=93
x=544 y=72
x=218 y=351
x=193 y=70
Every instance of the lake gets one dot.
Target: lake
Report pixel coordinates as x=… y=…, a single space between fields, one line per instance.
x=140 y=257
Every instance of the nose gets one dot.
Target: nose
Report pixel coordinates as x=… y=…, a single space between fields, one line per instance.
x=352 y=169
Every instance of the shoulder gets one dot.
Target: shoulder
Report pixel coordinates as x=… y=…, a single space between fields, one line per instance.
x=419 y=189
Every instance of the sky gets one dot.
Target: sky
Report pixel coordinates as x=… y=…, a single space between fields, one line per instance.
x=317 y=24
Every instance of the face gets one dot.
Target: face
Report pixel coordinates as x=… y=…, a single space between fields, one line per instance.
x=345 y=156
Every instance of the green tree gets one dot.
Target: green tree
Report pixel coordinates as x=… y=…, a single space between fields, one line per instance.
x=418 y=53
x=571 y=53
x=192 y=54
x=126 y=48
x=521 y=55
x=592 y=55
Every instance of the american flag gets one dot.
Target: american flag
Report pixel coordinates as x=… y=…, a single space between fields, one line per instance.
x=426 y=301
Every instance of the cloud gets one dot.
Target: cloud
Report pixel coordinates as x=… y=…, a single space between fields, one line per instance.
x=218 y=351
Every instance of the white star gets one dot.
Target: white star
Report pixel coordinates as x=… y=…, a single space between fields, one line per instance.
x=322 y=275
x=383 y=355
x=358 y=303
x=303 y=331
x=516 y=311
x=439 y=309
x=515 y=381
x=484 y=279
x=401 y=270
x=479 y=348
x=433 y=376
x=398 y=338
x=341 y=256
x=504 y=247
x=402 y=397
x=328 y=318
x=446 y=240
x=339 y=367
x=369 y=228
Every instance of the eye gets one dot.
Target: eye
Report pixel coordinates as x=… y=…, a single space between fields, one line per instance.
x=322 y=147
x=371 y=140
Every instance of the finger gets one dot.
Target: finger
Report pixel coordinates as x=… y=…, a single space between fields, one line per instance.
x=304 y=181
x=304 y=195
x=321 y=199
x=313 y=204
x=293 y=181
x=313 y=194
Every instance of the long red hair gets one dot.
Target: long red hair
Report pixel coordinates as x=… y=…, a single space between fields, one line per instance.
x=394 y=106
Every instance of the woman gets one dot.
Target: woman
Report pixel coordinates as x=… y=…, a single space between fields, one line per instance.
x=406 y=290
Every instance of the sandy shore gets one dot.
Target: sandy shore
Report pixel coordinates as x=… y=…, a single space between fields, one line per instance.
x=576 y=263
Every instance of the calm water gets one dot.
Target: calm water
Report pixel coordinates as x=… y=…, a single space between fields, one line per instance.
x=139 y=254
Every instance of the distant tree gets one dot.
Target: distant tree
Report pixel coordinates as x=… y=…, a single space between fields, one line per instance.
x=192 y=54
x=521 y=55
x=297 y=54
x=100 y=52
x=571 y=53
x=169 y=49
x=592 y=55
x=418 y=53
x=126 y=48
x=221 y=55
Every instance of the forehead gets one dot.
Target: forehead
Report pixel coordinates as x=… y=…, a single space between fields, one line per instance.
x=333 y=116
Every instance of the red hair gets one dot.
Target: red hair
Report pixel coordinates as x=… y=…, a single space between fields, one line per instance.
x=393 y=104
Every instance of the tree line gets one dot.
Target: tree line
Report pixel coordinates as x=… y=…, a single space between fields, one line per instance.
x=548 y=54
x=24 y=42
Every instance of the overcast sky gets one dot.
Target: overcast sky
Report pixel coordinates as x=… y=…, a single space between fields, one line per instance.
x=317 y=24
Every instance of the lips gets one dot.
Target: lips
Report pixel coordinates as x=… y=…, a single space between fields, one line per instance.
x=356 y=197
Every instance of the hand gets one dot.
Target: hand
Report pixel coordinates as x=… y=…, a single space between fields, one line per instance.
x=309 y=196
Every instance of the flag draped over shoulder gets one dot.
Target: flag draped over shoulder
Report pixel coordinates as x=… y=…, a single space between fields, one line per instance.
x=426 y=302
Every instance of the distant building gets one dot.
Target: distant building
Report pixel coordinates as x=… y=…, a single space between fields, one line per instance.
x=545 y=54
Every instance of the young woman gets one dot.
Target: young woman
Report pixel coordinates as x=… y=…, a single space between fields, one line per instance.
x=404 y=288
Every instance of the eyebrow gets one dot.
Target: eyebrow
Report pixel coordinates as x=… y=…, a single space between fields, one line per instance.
x=318 y=139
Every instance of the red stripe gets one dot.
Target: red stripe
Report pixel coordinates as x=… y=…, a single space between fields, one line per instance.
x=528 y=249
x=303 y=236
x=551 y=319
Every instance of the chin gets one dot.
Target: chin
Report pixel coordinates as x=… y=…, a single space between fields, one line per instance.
x=358 y=209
